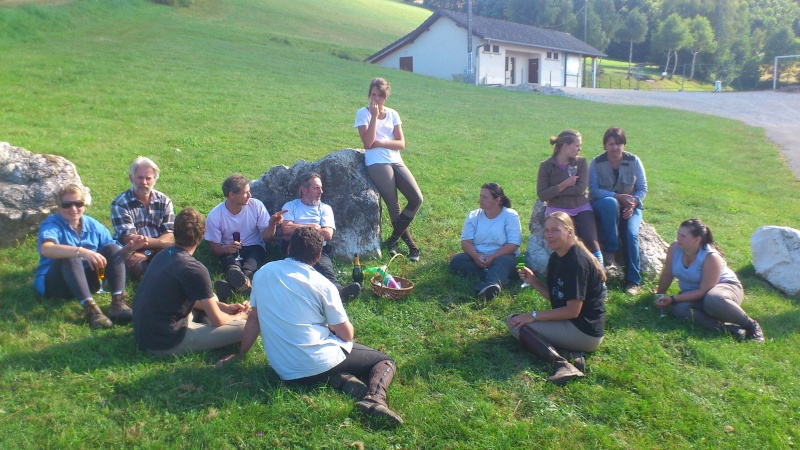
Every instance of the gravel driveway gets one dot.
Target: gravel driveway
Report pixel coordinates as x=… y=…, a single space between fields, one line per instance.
x=778 y=113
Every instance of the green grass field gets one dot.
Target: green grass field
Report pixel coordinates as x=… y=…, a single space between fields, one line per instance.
x=243 y=85
x=614 y=75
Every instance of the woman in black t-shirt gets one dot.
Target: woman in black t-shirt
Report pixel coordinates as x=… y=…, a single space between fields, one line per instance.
x=576 y=290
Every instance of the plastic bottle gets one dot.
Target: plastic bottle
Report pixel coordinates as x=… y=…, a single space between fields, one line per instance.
x=370 y=272
x=390 y=282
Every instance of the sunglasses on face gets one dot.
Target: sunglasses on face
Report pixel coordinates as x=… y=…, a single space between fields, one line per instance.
x=77 y=204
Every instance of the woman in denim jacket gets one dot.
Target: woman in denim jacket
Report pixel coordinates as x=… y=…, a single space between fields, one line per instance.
x=617 y=187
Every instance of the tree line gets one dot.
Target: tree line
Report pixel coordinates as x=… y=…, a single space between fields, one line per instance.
x=728 y=40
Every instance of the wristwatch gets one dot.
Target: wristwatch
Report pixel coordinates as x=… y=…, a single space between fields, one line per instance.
x=533 y=314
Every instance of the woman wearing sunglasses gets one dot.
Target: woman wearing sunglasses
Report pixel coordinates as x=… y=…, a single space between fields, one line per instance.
x=76 y=252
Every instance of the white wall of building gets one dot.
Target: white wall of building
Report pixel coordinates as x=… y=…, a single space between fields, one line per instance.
x=491 y=66
x=440 y=52
x=574 y=75
x=552 y=70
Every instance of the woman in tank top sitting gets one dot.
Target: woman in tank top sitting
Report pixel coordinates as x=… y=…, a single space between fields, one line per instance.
x=710 y=293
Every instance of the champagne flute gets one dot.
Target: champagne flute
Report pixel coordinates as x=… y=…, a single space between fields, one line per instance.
x=520 y=266
x=237 y=237
x=661 y=310
x=572 y=170
x=101 y=275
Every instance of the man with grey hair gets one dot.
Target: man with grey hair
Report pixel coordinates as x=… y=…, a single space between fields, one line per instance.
x=310 y=211
x=142 y=217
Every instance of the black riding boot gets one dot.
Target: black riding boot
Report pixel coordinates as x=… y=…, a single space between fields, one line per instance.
x=564 y=371
x=374 y=403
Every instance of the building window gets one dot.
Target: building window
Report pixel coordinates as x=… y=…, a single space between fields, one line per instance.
x=488 y=48
x=552 y=55
x=407 y=63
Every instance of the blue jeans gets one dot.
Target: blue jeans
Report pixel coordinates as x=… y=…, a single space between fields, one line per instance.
x=608 y=214
x=499 y=272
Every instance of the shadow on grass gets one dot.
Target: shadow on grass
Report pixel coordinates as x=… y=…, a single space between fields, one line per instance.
x=640 y=313
x=177 y=388
x=495 y=359
x=103 y=349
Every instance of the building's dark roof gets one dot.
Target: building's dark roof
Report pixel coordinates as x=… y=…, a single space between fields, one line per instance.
x=499 y=31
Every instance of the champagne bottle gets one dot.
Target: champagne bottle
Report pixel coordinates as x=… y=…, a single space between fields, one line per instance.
x=358 y=274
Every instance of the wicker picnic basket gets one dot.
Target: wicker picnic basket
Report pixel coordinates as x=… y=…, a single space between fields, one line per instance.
x=406 y=286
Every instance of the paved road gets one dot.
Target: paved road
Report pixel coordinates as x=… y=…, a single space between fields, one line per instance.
x=778 y=113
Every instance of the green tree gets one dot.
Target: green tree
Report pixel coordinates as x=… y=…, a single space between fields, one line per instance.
x=750 y=73
x=780 y=42
x=542 y=13
x=453 y=5
x=632 y=30
x=702 y=39
x=603 y=23
x=495 y=9
x=671 y=36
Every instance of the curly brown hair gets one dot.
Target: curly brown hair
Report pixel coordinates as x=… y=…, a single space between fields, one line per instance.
x=305 y=245
x=190 y=226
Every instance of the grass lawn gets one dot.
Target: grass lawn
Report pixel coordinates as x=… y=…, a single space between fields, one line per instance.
x=614 y=74
x=243 y=85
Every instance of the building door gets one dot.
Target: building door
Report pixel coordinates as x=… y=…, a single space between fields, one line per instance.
x=533 y=70
x=407 y=63
x=511 y=75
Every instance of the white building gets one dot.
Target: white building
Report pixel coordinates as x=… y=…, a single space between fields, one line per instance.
x=502 y=53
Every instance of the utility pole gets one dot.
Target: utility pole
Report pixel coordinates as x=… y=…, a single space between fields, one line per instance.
x=469 y=37
x=585 y=10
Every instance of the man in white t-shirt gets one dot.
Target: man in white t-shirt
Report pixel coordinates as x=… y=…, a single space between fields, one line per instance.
x=245 y=218
x=307 y=336
x=310 y=211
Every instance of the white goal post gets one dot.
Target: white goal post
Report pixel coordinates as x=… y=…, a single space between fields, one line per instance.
x=775 y=69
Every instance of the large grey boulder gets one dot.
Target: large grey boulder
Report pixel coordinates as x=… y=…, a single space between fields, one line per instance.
x=652 y=248
x=29 y=184
x=776 y=257
x=347 y=188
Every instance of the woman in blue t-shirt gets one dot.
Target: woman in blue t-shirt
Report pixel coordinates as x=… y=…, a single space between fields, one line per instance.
x=576 y=290
x=74 y=250
x=490 y=239
x=711 y=294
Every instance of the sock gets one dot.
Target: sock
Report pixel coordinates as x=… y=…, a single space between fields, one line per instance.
x=599 y=255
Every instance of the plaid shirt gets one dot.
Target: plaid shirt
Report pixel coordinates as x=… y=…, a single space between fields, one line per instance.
x=129 y=215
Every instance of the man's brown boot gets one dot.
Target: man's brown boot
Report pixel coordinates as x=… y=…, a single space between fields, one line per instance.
x=119 y=309
x=94 y=316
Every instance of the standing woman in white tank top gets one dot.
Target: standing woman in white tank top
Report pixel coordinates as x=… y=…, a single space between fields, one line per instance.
x=381 y=132
x=711 y=294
